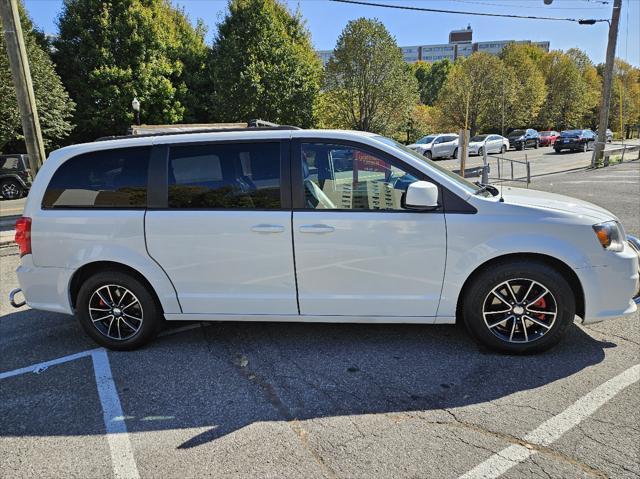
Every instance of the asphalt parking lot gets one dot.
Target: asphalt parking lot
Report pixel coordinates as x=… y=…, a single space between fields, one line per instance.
x=313 y=400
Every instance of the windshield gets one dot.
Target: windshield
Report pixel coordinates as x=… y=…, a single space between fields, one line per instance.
x=470 y=187
x=479 y=138
x=515 y=133
x=546 y=133
x=571 y=133
x=425 y=139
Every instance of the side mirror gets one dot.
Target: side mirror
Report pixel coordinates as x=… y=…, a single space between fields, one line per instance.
x=421 y=195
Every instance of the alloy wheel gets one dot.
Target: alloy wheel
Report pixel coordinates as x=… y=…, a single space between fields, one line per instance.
x=520 y=310
x=10 y=190
x=115 y=312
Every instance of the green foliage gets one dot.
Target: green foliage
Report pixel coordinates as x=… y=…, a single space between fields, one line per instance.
x=53 y=103
x=263 y=66
x=370 y=86
x=567 y=103
x=625 y=96
x=525 y=90
x=471 y=95
x=431 y=78
x=110 y=52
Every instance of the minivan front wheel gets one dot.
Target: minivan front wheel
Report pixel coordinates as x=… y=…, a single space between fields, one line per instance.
x=519 y=307
x=117 y=310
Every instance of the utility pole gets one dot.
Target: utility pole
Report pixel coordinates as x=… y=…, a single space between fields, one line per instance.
x=606 y=86
x=21 y=74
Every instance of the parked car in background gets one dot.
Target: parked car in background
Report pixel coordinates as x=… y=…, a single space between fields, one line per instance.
x=15 y=176
x=491 y=143
x=548 y=138
x=260 y=226
x=521 y=139
x=575 y=140
x=443 y=145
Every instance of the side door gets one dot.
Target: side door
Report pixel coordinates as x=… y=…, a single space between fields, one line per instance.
x=358 y=251
x=438 y=148
x=220 y=226
x=449 y=145
x=491 y=144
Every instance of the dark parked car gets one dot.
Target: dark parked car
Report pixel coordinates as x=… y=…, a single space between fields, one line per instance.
x=575 y=140
x=521 y=139
x=548 y=138
x=15 y=179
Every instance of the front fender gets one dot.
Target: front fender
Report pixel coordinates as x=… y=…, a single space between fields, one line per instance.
x=468 y=252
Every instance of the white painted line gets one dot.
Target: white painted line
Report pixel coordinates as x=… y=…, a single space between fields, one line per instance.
x=617 y=182
x=44 y=365
x=553 y=428
x=124 y=464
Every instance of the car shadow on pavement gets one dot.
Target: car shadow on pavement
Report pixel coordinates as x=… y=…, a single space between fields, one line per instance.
x=225 y=376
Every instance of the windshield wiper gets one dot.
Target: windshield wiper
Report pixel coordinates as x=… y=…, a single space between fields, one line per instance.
x=486 y=187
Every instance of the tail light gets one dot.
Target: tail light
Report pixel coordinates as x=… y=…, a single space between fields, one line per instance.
x=23 y=235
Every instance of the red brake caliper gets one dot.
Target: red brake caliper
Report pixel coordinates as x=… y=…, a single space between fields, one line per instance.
x=540 y=304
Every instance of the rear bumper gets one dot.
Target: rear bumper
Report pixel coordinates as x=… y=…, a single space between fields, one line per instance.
x=568 y=146
x=613 y=290
x=44 y=288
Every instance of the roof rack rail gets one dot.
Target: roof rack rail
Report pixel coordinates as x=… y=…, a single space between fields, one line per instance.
x=185 y=129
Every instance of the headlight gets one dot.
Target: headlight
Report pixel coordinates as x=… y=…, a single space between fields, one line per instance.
x=610 y=235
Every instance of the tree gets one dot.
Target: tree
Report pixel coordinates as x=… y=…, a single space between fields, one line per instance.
x=472 y=94
x=625 y=96
x=263 y=65
x=107 y=53
x=52 y=100
x=568 y=101
x=372 y=87
x=431 y=78
x=527 y=88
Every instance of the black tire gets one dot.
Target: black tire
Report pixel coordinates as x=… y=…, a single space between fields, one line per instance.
x=536 y=145
x=503 y=150
x=455 y=153
x=557 y=150
x=149 y=310
x=427 y=154
x=11 y=189
x=480 y=290
x=480 y=151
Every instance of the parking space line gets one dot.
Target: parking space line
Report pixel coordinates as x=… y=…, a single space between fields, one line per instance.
x=553 y=428
x=123 y=462
x=46 y=364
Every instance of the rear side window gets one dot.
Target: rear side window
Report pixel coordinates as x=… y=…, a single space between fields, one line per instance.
x=225 y=176
x=101 y=179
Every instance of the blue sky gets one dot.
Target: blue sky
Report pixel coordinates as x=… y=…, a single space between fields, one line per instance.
x=326 y=20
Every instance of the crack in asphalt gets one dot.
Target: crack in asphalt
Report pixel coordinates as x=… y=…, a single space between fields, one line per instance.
x=536 y=447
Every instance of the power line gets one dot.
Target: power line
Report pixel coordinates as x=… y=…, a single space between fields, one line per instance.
x=526 y=6
x=459 y=12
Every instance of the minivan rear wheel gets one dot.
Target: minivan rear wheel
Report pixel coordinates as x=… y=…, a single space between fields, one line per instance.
x=118 y=311
x=519 y=307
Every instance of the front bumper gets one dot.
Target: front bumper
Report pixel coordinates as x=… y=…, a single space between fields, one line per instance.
x=613 y=290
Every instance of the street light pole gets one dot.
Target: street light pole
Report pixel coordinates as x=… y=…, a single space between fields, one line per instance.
x=606 y=85
x=21 y=73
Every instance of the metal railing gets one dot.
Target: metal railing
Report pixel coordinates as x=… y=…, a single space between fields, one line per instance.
x=506 y=169
x=618 y=149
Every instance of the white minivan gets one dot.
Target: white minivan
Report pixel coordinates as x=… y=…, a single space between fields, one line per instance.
x=283 y=224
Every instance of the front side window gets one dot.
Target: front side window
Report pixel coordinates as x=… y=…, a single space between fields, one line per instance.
x=341 y=177
x=101 y=179
x=225 y=176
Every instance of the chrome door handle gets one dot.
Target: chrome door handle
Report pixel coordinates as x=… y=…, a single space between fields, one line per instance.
x=263 y=228
x=318 y=229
